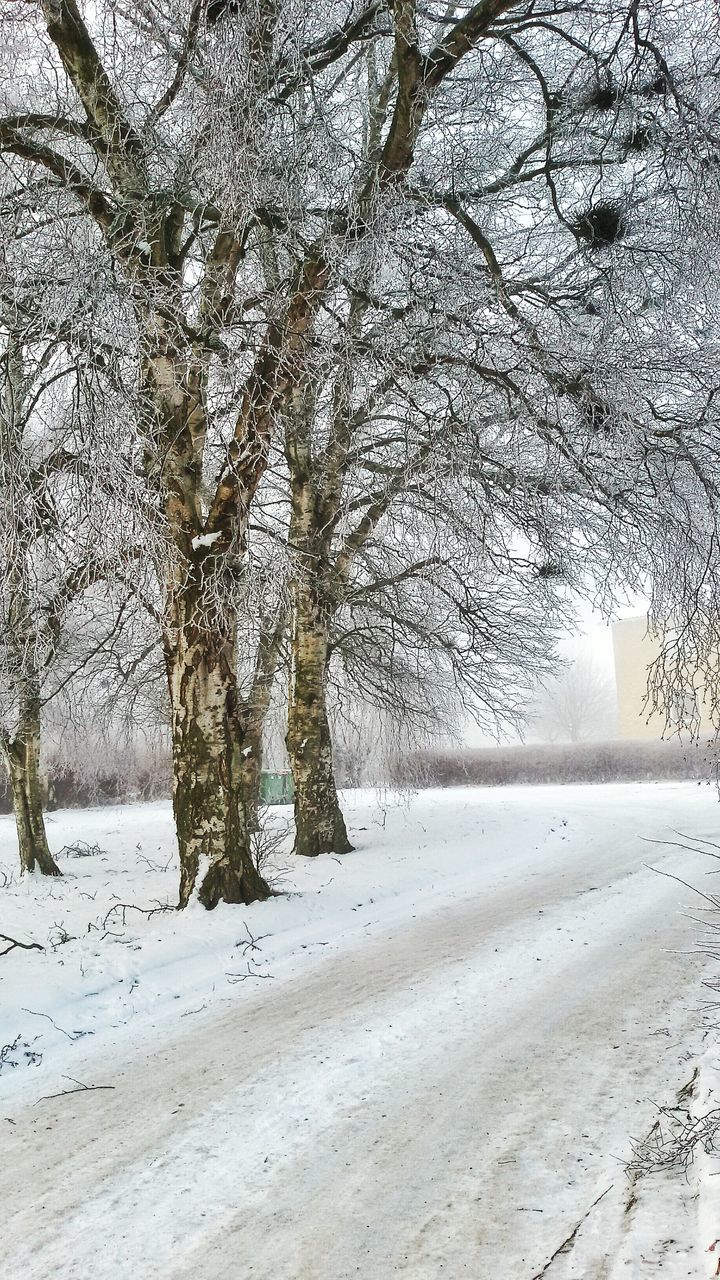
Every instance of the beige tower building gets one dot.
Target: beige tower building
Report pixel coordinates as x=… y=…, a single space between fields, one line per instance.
x=635 y=651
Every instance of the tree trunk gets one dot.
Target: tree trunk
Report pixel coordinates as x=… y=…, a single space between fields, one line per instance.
x=22 y=757
x=319 y=823
x=200 y=627
x=212 y=824
x=249 y=777
x=256 y=709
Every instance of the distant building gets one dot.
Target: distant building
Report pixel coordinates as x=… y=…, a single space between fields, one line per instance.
x=634 y=652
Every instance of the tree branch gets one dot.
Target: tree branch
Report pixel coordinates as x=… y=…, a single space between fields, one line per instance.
x=122 y=151
x=26 y=946
x=96 y=203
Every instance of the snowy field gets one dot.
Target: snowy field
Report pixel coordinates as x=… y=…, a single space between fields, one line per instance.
x=426 y=1059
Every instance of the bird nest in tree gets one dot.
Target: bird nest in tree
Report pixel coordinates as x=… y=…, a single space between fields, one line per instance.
x=551 y=569
x=602 y=95
x=638 y=139
x=653 y=87
x=601 y=225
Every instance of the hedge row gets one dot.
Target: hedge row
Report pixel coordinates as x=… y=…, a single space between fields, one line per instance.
x=557 y=763
x=67 y=788
x=148 y=778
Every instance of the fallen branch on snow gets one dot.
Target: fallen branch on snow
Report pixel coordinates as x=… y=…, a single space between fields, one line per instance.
x=676 y=1135
x=569 y=1243
x=71 y=1035
x=252 y=941
x=124 y=907
x=251 y=973
x=18 y=1046
x=81 y=849
x=14 y=942
x=81 y=1088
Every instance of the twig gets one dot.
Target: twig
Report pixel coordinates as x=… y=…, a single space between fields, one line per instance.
x=700 y=839
x=189 y=1012
x=76 y=1036
x=251 y=943
x=153 y=866
x=689 y=848
x=242 y=977
x=62 y=936
x=569 y=1242
x=714 y=902
x=83 y=1088
x=26 y=946
x=6 y=1059
x=124 y=907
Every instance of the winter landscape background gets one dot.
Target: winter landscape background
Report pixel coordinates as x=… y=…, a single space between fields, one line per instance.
x=359 y=452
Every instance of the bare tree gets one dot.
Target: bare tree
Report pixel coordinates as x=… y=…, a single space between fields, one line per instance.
x=527 y=297
x=577 y=705
x=188 y=190
x=263 y=189
x=22 y=658
x=53 y=547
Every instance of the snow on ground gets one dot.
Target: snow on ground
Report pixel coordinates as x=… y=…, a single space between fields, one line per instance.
x=429 y=1063
x=108 y=969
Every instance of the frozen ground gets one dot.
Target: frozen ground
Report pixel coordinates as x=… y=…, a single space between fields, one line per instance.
x=429 y=1066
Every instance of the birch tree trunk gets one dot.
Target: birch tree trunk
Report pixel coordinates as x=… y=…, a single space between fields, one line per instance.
x=319 y=823
x=212 y=816
x=255 y=713
x=22 y=759
x=208 y=796
x=250 y=774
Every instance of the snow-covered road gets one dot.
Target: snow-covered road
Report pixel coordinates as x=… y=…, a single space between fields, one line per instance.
x=445 y=1096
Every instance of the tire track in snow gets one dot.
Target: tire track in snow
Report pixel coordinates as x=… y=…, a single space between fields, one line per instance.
x=365 y=1048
